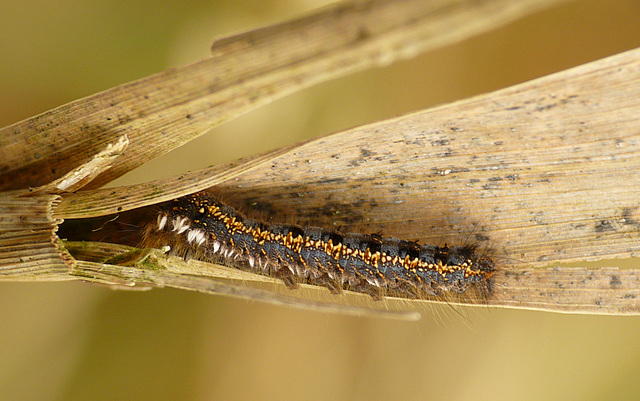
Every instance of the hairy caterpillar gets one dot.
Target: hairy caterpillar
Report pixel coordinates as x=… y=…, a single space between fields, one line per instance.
x=201 y=226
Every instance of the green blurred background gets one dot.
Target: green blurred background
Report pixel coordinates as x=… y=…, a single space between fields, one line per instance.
x=76 y=341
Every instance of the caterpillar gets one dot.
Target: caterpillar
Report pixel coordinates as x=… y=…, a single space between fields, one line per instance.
x=201 y=226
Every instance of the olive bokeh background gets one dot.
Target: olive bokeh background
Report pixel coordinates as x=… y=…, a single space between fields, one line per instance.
x=77 y=341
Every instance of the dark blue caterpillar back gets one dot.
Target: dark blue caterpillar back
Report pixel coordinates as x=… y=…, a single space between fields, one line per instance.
x=201 y=226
